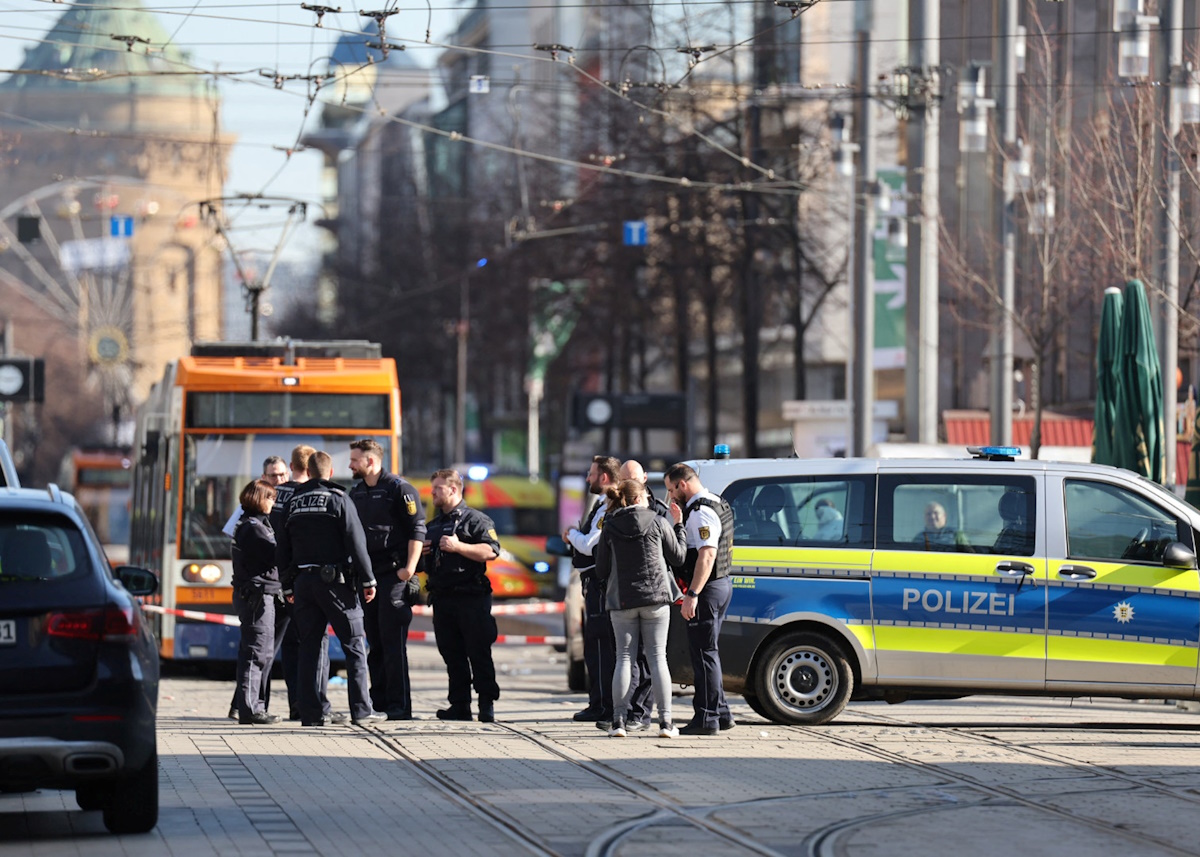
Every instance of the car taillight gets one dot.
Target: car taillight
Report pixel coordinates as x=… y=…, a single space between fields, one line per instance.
x=110 y=623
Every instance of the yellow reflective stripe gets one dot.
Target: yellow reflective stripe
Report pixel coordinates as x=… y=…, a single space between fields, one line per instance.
x=1122 y=574
x=863 y=633
x=801 y=557
x=953 y=642
x=943 y=562
x=1089 y=649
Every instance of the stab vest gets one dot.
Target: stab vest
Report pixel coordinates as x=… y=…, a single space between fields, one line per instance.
x=724 y=562
x=582 y=561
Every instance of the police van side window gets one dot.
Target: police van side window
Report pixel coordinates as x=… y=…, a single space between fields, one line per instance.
x=803 y=512
x=985 y=513
x=1107 y=522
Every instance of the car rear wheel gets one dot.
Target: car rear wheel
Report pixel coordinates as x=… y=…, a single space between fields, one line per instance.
x=92 y=796
x=802 y=678
x=133 y=807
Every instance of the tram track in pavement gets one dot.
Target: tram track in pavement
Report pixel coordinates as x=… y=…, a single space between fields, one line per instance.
x=661 y=810
x=827 y=842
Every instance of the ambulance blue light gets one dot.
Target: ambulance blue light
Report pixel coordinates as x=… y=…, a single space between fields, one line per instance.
x=721 y=450
x=541 y=566
x=477 y=472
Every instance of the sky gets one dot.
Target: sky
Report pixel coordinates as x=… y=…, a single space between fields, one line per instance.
x=228 y=35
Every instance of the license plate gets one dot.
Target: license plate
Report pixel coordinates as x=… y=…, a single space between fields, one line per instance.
x=8 y=632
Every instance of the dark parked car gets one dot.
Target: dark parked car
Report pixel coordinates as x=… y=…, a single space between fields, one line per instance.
x=78 y=664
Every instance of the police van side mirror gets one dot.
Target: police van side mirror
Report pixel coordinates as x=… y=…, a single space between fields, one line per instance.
x=1178 y=555
x=555 y=546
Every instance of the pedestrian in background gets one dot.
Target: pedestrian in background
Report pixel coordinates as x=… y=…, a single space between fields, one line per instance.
x=323 y=532
x=460 y=542
x=709 y=560
x=599 y=646
x=275 y=471
x=285 y=628
x=634 y=558
x=393 y=519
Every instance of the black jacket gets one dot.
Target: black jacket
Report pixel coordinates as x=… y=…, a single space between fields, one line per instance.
x=322 y=529
x=453 y=572
x=254 y=553
x=392 y=515
x=639 y=546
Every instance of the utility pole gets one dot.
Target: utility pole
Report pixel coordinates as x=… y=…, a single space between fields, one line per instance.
x=7 y=343
x=921 y=313
x=1002 y=351
x=460 y=398
x=864 y=243
x=1172 y=59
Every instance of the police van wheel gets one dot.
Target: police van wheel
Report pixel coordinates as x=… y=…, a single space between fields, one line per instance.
x=804 y=679
x=755 y=705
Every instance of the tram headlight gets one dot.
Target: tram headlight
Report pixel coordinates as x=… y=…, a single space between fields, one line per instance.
x=197 y=573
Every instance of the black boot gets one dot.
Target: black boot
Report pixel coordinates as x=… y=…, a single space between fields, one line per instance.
x=487 y=711
x=456 y=711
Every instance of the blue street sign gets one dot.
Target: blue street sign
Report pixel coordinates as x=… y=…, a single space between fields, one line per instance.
x=635 y=233
x=120 y=226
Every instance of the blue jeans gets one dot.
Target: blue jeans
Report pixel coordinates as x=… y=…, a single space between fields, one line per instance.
x=649 y=625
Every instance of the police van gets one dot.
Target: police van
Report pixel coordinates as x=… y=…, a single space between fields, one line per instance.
x=906 y=579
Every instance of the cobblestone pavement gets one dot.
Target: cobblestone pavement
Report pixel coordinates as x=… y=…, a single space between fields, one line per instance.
x=979 y=776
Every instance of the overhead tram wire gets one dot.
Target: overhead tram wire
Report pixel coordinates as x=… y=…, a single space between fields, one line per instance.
x=849 y=41
x=769 y=173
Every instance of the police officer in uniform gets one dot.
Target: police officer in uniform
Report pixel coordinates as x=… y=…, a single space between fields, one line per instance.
x=460 y=542
x=274 y=472
x=321 y=552
x=393 y=517
x=709 y=523
x=599 y=644
x=289 y=648
x=255 y=593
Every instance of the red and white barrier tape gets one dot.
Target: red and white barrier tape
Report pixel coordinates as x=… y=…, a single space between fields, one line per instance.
x=417 y=636
x=427 y=637
x=508 y=609
x=219 y=618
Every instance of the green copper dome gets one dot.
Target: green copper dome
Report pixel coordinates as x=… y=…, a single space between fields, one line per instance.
x=81 y=45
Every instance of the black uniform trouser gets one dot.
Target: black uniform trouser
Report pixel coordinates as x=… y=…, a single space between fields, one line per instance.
x=703 y=631
x=600 y=658
x=374 y=648
x=465 y=631
x=394 y=618
x=641 y=691
x=289 y=653
x=599 y=647
x=256 y=653
x=319 y=604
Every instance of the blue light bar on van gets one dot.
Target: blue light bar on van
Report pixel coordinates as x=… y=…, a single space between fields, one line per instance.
x=995 y=453
x=721 y=450
x=477 y=472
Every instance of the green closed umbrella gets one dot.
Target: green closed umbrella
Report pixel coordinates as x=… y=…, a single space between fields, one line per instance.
x=1107 y=351
x=1138 y=429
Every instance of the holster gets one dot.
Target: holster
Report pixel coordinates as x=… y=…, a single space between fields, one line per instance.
x=332 y=574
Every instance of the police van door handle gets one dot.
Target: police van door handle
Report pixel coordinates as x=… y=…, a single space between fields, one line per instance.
x=1076 y=572
x=1013 y=568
